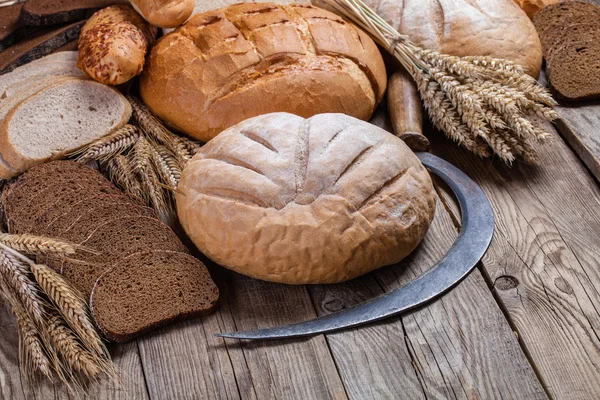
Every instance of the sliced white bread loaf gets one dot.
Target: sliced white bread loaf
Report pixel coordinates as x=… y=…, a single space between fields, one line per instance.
x=58 y=120
x=16 y=93
x=62 y=63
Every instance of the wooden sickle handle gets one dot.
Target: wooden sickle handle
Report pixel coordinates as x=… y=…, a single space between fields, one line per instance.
x=406 y=111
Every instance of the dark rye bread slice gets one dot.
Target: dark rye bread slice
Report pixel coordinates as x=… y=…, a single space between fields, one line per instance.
x=560 y=15
x=30 y=184
x=63 y=219
x=568 y=35
x=574 y=72
x=83 y=269
x=52 y=12
x=53 y=223
x=149 y=290
x=36 y=46
x=34 y=207
x=10 y=25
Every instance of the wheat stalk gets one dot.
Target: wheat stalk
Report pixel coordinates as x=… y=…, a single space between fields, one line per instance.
x=71 y=305
x=109 y=146
x=482 y=103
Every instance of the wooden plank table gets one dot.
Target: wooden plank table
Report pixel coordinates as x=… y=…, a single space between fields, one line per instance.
x=525 y=324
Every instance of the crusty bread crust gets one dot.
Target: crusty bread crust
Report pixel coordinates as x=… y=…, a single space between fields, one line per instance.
x=164 y=13
x=224 y=66
x=293 y=200
x=497 y=28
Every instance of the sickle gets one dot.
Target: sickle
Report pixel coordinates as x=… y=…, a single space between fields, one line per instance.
x=477 y=227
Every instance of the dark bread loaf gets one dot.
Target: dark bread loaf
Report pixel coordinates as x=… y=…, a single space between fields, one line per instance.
x=70 y=201
x=10 y=25
x=52 y=12
x=131 y=296
x=38 y=45
x=569 y=33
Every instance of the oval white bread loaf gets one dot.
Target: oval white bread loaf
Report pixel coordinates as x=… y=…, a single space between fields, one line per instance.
x=113 y=44
x=497 y=28
x=57 y=120
x=225 y=66
x=292 y=200
x=164 y=13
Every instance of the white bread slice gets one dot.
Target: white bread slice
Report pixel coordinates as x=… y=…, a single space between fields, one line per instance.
x=60 y=119
x=15 y=94
x=62 y=63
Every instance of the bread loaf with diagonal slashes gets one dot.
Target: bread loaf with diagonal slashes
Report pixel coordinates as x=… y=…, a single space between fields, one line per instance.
x=293 y=200
x=248 y=59
x=162 y=282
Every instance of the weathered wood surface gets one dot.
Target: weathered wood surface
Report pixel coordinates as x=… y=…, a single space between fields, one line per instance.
x=544 y=261
x=580 y=126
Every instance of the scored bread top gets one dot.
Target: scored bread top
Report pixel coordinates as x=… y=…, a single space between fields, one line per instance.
x=224 y=66
x=293 y=200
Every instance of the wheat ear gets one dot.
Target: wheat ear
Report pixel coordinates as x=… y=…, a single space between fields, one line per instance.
x=166 y=165
x=476 y=101
x=149 y=124
x=32 y=354
x=121 y=173
x=73 y=354
x=109 y=146
x=15 y=274
x=72 y=307
x=36 y=244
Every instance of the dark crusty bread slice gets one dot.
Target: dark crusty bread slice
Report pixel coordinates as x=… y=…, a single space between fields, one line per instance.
x=574 y=72
x=148 y=290
x=52 y=12
x=62 y=219
x=567 y=35
x=559 y=15
x=10 y=25
x=41 y=201
x=39 y=45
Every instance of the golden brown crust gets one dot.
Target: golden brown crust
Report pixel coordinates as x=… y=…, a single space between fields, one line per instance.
x=164 y=13
x=293 y=200
x=227 y=65
x=113 y=44
x=533 y=6
x=495 y=28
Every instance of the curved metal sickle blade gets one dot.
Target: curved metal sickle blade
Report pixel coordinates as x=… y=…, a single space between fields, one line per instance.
x=472 y=243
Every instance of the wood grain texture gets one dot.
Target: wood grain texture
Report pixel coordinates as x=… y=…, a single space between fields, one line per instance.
x=15 y=386
x=580 y=126
x=544 y=260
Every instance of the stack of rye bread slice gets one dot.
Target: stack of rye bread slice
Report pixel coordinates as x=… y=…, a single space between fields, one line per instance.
x=570 y=36
x=137 y=273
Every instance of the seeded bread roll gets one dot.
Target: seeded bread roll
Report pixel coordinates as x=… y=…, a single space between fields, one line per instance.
x=224 y=66
x=293 y=200
x=113 y=44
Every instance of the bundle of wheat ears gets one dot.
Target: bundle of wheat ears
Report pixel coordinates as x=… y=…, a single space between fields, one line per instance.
x=57 y=338
x=482 y=103
x=144 y=159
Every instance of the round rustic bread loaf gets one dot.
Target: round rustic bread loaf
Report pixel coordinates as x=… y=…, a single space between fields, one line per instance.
x=293 y=200
x=224 y=66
